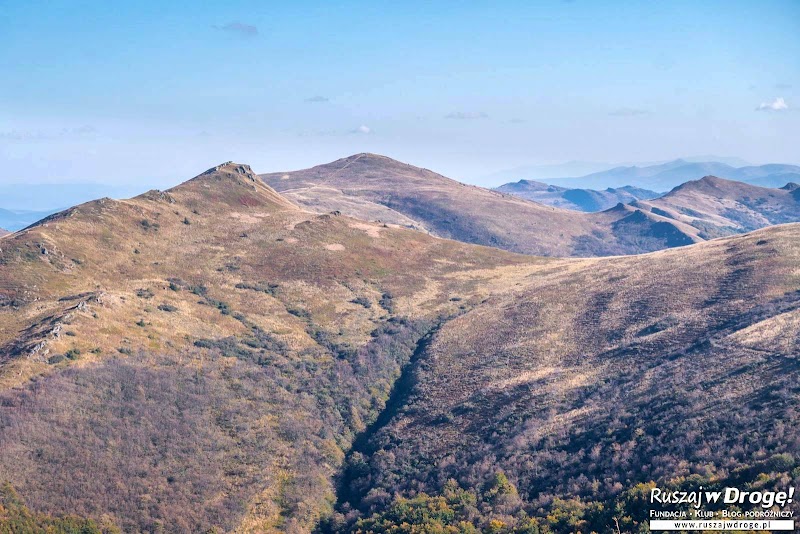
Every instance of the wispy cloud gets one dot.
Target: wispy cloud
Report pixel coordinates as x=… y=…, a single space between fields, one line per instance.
x=321 y=133
x=317 y=99
x=783 y=86
x=240 y=28
x=517 y=120
x=629 y=112
x=466 y=115
x=363 y=129
x=40 y=135
x=779 y=104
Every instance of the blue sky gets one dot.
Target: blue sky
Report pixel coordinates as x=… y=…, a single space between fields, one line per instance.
x=151 y=93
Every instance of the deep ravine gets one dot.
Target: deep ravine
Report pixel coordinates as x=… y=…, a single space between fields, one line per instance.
x=346 y=497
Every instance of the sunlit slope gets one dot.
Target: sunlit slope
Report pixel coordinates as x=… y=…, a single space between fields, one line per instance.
x=374 y=187
x=201 y=357
x=718 y=207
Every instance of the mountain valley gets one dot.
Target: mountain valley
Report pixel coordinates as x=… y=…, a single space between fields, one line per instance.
x=216 y=357
x=587 y=200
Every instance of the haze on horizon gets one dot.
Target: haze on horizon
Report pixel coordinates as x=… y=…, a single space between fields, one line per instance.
x=151 y=93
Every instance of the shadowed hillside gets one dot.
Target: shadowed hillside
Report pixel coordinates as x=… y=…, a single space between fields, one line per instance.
x=373 y=187
x=678 y=367
x=717 y=207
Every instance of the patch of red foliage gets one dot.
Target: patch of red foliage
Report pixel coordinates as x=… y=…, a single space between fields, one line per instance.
x=250 y=202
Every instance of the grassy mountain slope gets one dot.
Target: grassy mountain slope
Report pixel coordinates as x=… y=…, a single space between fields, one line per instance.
x=575 y=199
x=214 y=357
x=202 y=357
x=367 y=185
x=677 y=367
x=718 y=207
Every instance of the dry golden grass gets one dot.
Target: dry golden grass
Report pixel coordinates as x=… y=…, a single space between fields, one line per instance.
x=373 y=187
x=165 y=290
x=149 y=278
x=664 y=365
x=718 y=207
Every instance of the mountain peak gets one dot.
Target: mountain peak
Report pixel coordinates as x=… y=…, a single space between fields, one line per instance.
x=228 y=171
x=791 y=186
x=703 y=184
x=233 y=184
x=621 y=207
x=372 y=158
x=229 y=167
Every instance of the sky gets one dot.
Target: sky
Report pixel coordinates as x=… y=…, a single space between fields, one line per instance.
x=153 y=93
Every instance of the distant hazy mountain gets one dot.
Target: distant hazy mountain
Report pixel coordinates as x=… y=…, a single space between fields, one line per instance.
x=52 y=197
x=3 y=232
x=732 y=161
x=541 y=172
x=16 y=220
x=665 y=176
x=771 y=175
x=576 y=199
x=718 y=207
x=572 y=169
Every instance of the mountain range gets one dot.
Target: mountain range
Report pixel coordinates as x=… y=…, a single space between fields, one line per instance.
x=709 y=207
x=373 y=187
x=51 y=197
x=220 y=356
x=535 y=218
x=16 y=220
x=582 y=168
x=587 y=200
x=666 y=176
x=718 y=207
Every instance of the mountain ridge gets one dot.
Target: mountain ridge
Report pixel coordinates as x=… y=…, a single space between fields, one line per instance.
x=367 y=185
x=207 y=357
x=275 y=331
x=665 y=176
x=588 y=200
x=718 y=207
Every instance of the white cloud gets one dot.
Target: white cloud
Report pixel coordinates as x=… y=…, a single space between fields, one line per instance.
x=466 y=115
x=779 y=104
x=247 y=30
x=40 y=135
x=362 y=130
